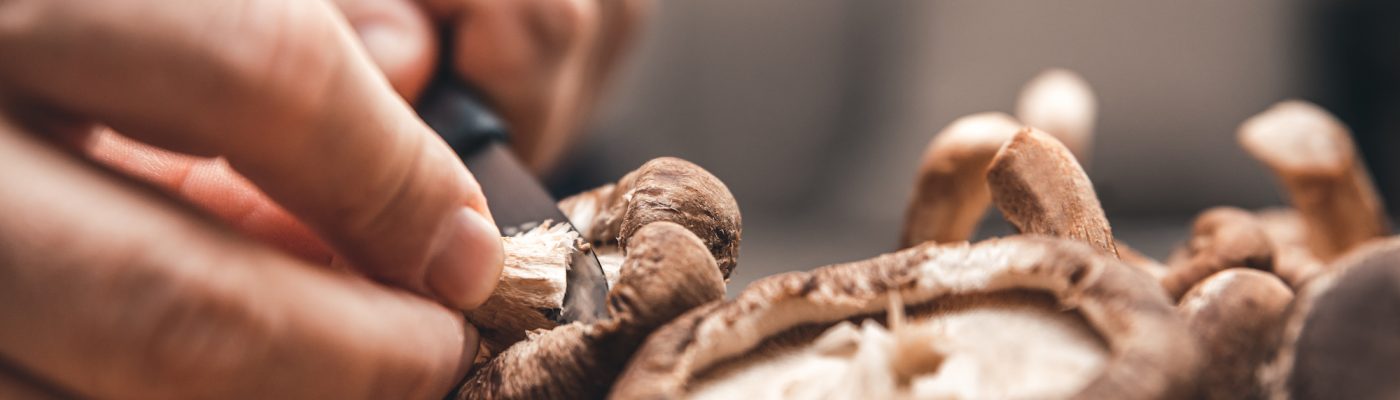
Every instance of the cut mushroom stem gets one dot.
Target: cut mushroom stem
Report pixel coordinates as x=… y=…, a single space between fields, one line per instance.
x=531 y=287
x=1313 y=155
x=1060 y=102
x=951 y=195
x=1221 y=238
x=668 y=271
x=1237 y=315
x=1040 y=188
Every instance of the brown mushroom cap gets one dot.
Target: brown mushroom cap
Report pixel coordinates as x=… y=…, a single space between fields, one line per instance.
x=1221 y=237
x=663 y=189
x=1236 y=314
x=667 y=272
x=1149 y=352
x=1340 y=340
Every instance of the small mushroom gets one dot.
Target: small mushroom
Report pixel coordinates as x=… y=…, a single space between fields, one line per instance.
x=1221 y=238
x=1313 y=155
x=1236 y=314
x=663 y=189
x=532 y=282
x=1340 y=339
x=1040 y=188
x=1060 y=102
x=668 y=271
x=1019 y=317
x=951 y=195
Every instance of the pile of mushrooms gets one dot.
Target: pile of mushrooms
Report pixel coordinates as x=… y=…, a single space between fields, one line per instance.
x=667 y=236
x=1297 y=302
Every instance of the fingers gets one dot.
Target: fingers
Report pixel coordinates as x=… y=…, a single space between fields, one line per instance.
x=539 y=61
x=17 y=384
x=137 y=299
x=400 y=39
x=282 y=92
x=211 y=185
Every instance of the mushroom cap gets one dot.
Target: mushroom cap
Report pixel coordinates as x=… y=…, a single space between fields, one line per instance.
x=1237 y=315
x=1340 y=341
x=663 y=189
x=1151 y=355
x=1221 y=238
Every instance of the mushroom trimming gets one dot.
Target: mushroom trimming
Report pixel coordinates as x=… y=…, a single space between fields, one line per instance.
x=667 y=235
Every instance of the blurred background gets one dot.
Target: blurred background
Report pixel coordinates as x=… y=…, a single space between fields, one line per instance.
x=815 y=112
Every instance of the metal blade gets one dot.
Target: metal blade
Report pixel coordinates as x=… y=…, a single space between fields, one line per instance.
x=519 y=203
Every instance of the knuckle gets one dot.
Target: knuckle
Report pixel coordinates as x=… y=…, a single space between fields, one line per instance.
x=280 y=47
x=195 y=334
x=566 y=24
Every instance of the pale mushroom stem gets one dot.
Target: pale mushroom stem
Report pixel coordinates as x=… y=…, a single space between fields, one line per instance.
x=950 y=195
x=1313 y=155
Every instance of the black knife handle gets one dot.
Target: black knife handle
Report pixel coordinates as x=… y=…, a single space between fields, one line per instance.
x=455 y=111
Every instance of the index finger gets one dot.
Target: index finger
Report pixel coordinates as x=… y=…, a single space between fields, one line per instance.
x=283 y=92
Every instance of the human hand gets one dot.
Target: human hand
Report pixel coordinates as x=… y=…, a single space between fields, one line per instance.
x=542 y=63
x=110 y=289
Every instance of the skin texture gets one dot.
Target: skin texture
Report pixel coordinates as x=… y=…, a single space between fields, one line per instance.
x=1040 y=188
x=264 y=115
x=1154 y=355
x=1237 y=315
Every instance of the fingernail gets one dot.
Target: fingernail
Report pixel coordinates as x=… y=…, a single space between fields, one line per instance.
x=466 y=269
x=381 y=41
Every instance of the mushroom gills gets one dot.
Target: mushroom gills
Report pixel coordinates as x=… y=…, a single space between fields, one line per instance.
x=1009 y=344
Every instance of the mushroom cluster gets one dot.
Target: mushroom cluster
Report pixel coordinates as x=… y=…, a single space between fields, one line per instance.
x=667 y=236
x=1282 y=303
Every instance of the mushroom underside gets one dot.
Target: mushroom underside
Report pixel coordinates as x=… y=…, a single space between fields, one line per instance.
x=1006 y=344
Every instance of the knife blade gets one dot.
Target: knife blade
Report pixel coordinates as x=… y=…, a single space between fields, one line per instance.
x=516 y=199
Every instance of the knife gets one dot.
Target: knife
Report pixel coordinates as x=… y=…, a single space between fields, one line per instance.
x=517 y=201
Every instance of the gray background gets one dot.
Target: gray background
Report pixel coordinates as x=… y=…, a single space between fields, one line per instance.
x=815 y=112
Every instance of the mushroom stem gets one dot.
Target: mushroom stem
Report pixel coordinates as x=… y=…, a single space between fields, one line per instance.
x=1040 y=188
x=668 y=271
x=951 y=195
x=1313 y=155
x=1060 y=102
x=531 y=285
